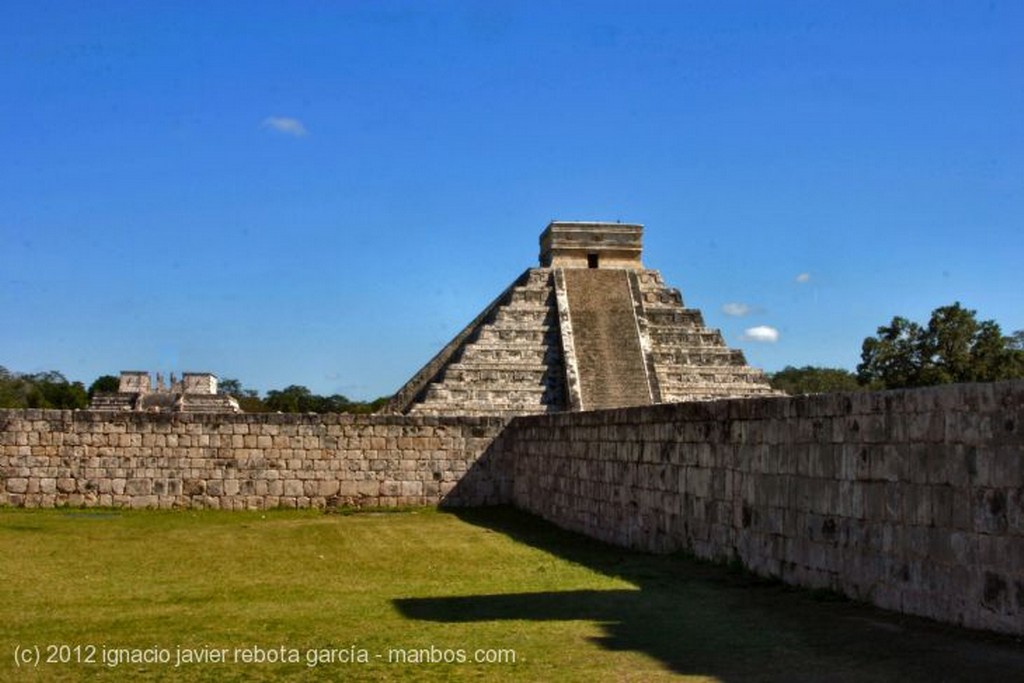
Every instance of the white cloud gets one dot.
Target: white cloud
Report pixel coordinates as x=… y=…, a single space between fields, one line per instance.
x=761 y=333
x=737 y=309
x=283 y=124
x=803 y=277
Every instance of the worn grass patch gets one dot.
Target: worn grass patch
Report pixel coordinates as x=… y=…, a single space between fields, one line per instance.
x=409 y=590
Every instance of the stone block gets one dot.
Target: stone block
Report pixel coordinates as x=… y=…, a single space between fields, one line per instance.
x=138 y=487
x=962 y=510
x=856 y=462
x=928 y=427
x=368 y=488
x=990 y=510
x=141 y=501
x=411 y=488
x=964 y=548
x=328 y=488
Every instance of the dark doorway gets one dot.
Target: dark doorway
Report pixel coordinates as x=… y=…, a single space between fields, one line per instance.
x=591 y=260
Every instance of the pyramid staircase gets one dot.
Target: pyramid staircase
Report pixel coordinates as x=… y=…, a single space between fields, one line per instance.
x=582 y=332
x=609 y=358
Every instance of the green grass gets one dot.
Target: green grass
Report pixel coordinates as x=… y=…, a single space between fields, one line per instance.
x=495 y=579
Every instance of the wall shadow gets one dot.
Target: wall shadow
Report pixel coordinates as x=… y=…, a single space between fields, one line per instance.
x=702 y=619
x=488 y=480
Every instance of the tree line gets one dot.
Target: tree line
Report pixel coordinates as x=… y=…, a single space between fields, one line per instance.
x=40 y=390
x=296 y=398
x=53 y=390
x=954 y=346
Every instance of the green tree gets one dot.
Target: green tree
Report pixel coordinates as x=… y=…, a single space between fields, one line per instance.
x=230 y=386
x=299 y=399
x=248 y=399
x=335 y=403
x=953 y=347
x=292 y=399
x=64 y=395
x=892 y=359
x=104 y=384
x=10 y=389
x=814 y=380
x=376 y=404
x=40 y=390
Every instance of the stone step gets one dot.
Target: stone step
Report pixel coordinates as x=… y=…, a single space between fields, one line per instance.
x=724 y=385
x=701 y=377
x=502 y=353
x=700 y=356
x=525 y=305
x=668 y=338
x=494 y=376
x=532 y=301
x=478 y=365
x=674 y=317
x=536 y=357
x=482 y=410
x=515 y=335
x=537 y=278
x=535 y=315
x=710 y=392
x=662 y=296
x=521 y=324
x=723 y=382
x=650 y=279
x=495 y=398
x=522 y=295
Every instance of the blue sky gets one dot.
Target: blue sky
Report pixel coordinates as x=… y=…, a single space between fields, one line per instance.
x=325 y=193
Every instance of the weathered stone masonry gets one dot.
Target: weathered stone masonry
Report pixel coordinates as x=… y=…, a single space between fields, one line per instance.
x=51 y=458
x=912 y=500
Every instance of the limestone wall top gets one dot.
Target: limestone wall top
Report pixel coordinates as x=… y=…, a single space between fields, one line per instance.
x=584 y=244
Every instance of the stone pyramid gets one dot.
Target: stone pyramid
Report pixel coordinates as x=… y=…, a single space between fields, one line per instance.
x=591 y=328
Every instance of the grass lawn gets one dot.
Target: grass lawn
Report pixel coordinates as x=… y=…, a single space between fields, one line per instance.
x=424 y=586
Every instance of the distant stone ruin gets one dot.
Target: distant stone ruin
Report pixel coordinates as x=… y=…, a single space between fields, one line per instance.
x=195 y=392
x=590 y=328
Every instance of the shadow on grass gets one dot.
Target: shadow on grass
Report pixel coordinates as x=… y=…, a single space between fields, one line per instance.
x=708 y=620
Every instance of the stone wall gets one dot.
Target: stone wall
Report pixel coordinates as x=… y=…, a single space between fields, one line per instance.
x=51 y=458
x=912 y=500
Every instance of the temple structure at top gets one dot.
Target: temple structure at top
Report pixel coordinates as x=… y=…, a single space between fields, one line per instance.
x=591 y=245
x=591 y=328
x=195 y=392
